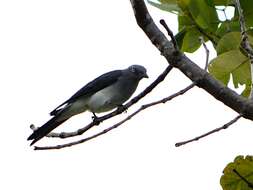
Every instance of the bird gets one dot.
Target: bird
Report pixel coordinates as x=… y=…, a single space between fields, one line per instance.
x=102 y=94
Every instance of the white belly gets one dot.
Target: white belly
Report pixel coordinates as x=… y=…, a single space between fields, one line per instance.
x=104 y=100
x=112 y=96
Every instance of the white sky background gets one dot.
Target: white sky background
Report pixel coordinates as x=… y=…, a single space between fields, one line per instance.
x=49 y=49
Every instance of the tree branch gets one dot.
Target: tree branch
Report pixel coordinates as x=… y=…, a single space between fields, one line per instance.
x=177 y=59
x=143 y=107
x=118 y=111
x=245 y=41
x=210 y=132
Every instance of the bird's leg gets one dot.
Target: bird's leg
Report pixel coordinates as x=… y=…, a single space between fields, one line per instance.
x=121 y=108
x=95 y=118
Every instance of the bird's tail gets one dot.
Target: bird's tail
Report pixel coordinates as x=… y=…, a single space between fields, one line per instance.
x=45 y=129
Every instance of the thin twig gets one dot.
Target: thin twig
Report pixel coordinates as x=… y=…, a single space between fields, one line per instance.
x=225 y=126
x=243 y=178
x=245 y=41
x=207 y=52
x=118 y=111
x=143 y=107
x=225 y=14
x=217 y=129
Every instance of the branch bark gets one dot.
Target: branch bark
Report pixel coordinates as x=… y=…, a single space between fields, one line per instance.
x=245 y=40
x=178 y=60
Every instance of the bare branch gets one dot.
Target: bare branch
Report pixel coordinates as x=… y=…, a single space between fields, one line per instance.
x=207 y=52
x=245 y=38
x=177 y=59
x=121 y=109
x=210 y=132
x=143 y=107
x=245 y=41
x=243 y=178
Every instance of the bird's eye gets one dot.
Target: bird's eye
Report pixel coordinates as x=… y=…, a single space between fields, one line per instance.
x=132 y=69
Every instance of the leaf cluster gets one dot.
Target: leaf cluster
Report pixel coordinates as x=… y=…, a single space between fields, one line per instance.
x=200 y=18
x=238 y=175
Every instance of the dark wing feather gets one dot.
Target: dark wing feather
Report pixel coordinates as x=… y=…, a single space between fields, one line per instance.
x=92 y=87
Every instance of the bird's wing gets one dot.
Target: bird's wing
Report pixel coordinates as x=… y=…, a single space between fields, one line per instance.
x=92 y=87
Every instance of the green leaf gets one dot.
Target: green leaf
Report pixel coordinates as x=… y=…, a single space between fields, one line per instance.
x=184 y=21
x=169 y=7
x=202 y=13
x=241 y=74
x=247 y=90
x=232 y=63
x=247 y=7
x=229 y=41
x=231 y=181
x=169 y=1
x=191 y=40
x=188 y=37
x=250 y=32
x=183 y=4
x=228 y=26
x=221 y=2
x=180 y=37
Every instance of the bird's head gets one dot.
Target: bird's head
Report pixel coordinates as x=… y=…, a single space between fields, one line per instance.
x=138 y=71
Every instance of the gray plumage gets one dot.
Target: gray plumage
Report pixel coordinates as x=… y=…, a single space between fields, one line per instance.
x=104 y=93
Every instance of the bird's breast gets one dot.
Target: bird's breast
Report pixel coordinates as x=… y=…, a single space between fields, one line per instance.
x=111 y=97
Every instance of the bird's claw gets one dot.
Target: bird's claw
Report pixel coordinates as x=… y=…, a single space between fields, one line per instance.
x=95 y=119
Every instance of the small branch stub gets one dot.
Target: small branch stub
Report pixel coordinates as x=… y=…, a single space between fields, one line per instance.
x=170 y=33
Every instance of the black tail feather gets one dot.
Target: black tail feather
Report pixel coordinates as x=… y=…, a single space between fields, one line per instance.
x=45 y=129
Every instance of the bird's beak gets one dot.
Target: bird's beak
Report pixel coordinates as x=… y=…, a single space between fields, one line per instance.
x=145 y=75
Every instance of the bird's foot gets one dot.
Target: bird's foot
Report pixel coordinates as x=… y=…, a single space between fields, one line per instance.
x=121 y=108
x=94 y=116
x=95 y=119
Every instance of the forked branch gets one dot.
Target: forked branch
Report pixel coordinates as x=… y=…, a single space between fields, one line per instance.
x=177 y=59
